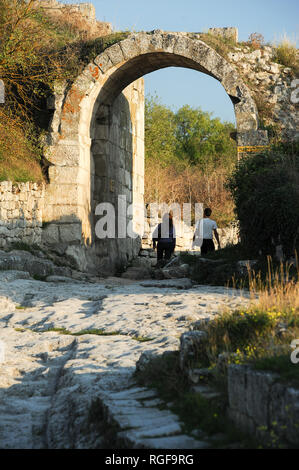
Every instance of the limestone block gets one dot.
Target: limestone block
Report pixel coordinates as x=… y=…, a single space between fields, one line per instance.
x=62 y=212
x=128 y=179
x=65 y=194
x=274 y=68
x=70 y=232
x=115 y=54
x=23 y=196
x=69 y=175
x=145 y=359
x=4 y=231
x=3 y=213
x=249 y=138
x=100 y=165
x=226 y=33
x=8 y=205
x=190 y=343
x=169 y=42
x=50 y=234
x=129 y=48
x=104 y=62
x=65 y=154
x=6 y=186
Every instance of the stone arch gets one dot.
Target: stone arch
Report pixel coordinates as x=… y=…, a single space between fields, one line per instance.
x=89 y=100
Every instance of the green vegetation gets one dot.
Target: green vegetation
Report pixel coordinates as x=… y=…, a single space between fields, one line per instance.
x=280 y=364
x=93 y=331
x=97 y=423
x=221 y=44
x=260 y=334
x=198 y=414
x=97 y=332
x=188 y=155
x=265 y=191
x=142 y=339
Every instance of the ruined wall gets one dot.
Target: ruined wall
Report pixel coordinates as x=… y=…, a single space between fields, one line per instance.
x=113 y=165
x=118 y=155
x=184 y=235
x=96 y=137
x=272 y=85
x=21 y=211
x=80 y=15
x=259 y=403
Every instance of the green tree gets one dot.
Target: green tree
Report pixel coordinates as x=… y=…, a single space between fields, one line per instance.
x=202 y=140
x=160 y=141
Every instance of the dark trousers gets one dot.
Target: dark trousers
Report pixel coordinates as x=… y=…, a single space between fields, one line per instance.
x=207 y=246
x=166 y=248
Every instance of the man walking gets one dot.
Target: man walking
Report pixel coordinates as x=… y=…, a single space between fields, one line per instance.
x=164 y=237
x=203 y=235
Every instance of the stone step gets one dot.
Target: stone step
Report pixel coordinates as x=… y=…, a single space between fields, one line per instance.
x=144 y=426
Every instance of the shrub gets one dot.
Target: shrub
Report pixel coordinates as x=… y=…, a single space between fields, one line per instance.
x=265 y=190
x=256 y=40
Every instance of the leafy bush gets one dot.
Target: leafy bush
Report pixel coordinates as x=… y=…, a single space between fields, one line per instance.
x=265 y=190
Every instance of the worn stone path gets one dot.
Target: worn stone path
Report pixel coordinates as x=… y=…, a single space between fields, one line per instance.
x=49 y=380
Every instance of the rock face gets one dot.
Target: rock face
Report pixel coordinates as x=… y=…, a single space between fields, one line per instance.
x=24 y=261
x=61 y=390
x=273 y=88
x=260 y=404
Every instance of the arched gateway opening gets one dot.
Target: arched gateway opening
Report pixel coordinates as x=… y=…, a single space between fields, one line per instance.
x=97 y=140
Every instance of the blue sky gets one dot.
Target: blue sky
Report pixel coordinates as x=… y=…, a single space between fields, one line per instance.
x=176 y=86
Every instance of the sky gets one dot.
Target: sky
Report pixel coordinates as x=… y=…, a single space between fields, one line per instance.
x=178 y=86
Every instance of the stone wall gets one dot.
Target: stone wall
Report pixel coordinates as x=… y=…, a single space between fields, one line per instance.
x=81 y=15
x=225 y=33
x=263 y=406
x=272 y=87
x=94 y=130
x=21 y=211
x=113 y=166
x=228 y=235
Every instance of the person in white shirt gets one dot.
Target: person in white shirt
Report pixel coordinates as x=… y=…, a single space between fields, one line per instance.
x=203 y=235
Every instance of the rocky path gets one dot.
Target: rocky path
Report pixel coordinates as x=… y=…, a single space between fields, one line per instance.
x=77 y=391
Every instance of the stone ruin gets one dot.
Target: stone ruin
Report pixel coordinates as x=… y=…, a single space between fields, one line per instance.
x=96 y=135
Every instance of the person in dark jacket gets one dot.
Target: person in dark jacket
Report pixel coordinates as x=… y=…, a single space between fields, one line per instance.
x=164 y=238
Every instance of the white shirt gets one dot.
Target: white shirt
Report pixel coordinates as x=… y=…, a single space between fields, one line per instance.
x=204 y=230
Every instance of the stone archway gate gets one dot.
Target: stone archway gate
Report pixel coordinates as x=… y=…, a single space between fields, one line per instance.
x=97 y=130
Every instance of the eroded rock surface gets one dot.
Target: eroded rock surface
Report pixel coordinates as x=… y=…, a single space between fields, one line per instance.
x=60 y=390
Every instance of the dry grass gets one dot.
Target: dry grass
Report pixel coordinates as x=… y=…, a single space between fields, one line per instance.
x=286 y=54
x=261 y=332
x=19 y=158
x=172 y=184
x=280 y=290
